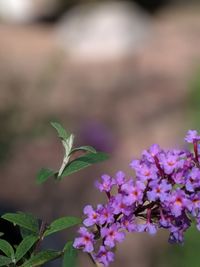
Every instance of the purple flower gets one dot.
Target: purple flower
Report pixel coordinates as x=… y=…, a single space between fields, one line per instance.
x=147 y=173
x=193 y=179
x=192 y=136
x=120 y=178
x=135 y=164
x=104 y=256
x=176 y=235
x=170 y=162
x=143 y=171
x=85 y=241
x=112 y=235
x=92 y=216
x=178 y=202
x=147 y=227
x=178 y=177
x=134 y=192
x=159 y=190
x=151 y=153
x=154 y=150
x=118 y=205
x=128 y=223
x=165 y=222
x=105 y=214
x=107 y=183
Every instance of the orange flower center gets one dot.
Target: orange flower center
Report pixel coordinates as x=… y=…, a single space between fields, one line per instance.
x=178 y=201
x=170 y=163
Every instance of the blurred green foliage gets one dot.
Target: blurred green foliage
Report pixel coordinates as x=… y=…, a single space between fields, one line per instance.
x=186 y=255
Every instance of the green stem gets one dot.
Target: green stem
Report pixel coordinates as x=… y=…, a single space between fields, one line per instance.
x=63 y=166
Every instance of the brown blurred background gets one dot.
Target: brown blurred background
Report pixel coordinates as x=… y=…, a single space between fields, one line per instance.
x=118 y=75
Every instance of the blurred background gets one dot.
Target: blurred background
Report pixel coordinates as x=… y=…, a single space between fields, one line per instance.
x=120 y=75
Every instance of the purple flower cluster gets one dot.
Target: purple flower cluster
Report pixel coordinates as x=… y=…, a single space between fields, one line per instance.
x=165 y=193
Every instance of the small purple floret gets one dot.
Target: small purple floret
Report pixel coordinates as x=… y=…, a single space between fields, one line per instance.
x=192 y=136
x=104 y=256
x=112 y=235
x=85 y=241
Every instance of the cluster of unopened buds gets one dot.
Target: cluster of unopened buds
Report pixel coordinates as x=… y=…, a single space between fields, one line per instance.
x=165 y=193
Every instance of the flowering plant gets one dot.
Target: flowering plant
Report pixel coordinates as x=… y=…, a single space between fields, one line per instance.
x=165 y=193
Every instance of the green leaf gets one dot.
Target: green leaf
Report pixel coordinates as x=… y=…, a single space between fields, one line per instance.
x=83 y=162
x=43 y=175
x=4 y=261
x=41 y=258
x=24 y=220
x=85 y=148
x=25 y=246
x=6 y=248
x=70 y=255
x=24 y=232
x=61 y=224
x=62 y=133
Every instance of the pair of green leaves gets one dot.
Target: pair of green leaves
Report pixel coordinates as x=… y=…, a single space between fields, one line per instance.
x=21 y=250
x=68 y=167
x=31 y=237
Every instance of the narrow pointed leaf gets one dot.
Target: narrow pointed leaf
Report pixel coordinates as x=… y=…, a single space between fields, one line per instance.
x=24 y=220
x=83 y=162
x=85 y=148
x=44 y=174
x=6 y=248
x=70 y=255
x=4 y=261
x=61 y=224
x=25 y=246
x=62 y=133
x=41 y=258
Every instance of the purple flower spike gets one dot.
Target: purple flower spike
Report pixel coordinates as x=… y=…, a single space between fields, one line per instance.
x=85 y=241
x=192 y=136
x=104 y=256
x=165 y=192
